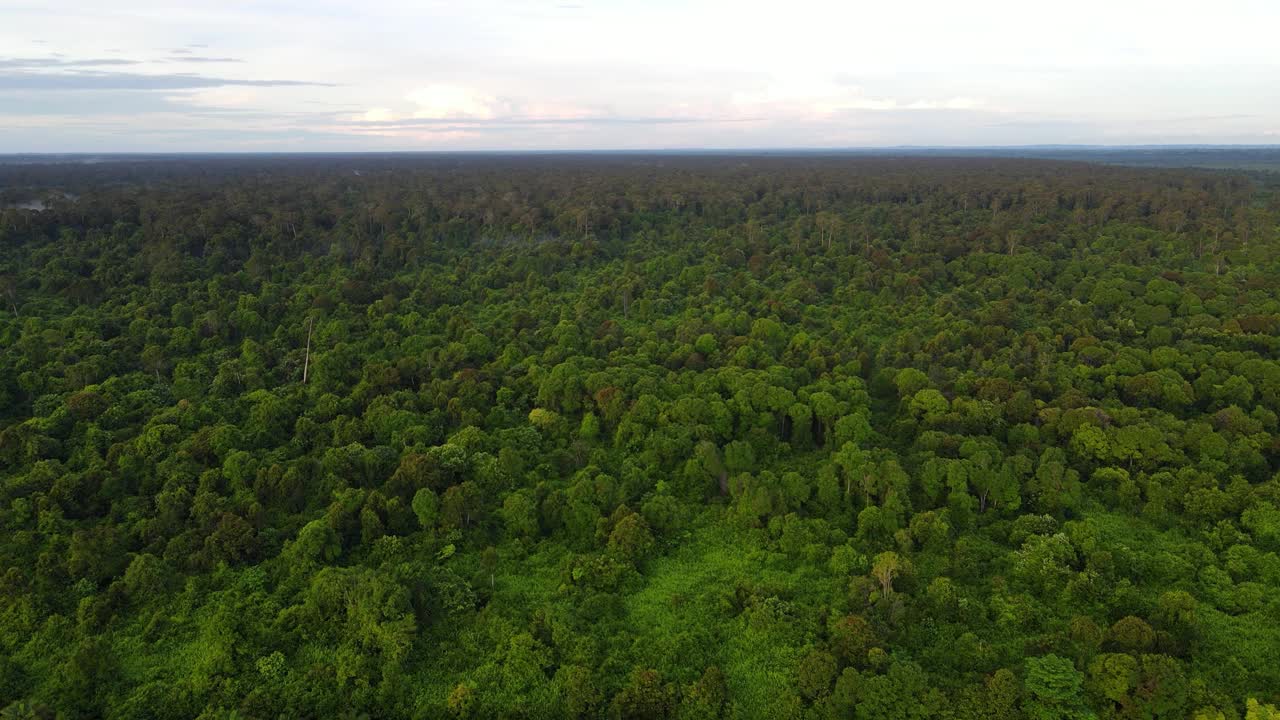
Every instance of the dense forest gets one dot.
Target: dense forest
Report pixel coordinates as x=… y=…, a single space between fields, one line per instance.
x=638 y=437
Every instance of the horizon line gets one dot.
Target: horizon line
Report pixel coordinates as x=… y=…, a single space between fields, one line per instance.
x=658 y=150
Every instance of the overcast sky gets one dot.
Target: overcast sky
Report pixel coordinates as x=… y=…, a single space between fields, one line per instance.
x=127 y=75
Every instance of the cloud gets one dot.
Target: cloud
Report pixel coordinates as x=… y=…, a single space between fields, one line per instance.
x=453 y=101
x=378 y=115
x=66 y=107
x=59 y=63
x=203 y=59
x=379 y=118
x=445 y=106
x=33 y=81
x=805 y=97
x=440 y=108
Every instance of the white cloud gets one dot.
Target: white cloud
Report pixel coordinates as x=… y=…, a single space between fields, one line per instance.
x=803 y=97
x=379 y=114
x=452 y=102
x=223 y=97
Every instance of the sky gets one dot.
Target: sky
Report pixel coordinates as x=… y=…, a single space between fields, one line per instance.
x=380 y=75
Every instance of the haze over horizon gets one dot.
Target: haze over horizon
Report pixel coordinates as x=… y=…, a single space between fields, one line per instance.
x=499 y=75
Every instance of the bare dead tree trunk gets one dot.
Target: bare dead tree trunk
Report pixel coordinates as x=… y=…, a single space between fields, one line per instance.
x=306 y=362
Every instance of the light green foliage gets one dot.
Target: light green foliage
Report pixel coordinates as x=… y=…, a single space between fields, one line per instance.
x=1054 y=691
x=544 y=419
x=910 y=381
x=929 y=404
x=426 y=507
x=520 y=513
x=1261 y=711
x=1045 y=563
x=1114 y=676
x=589 y=429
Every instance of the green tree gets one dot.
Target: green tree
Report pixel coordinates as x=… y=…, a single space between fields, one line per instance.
x=1053 y=687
